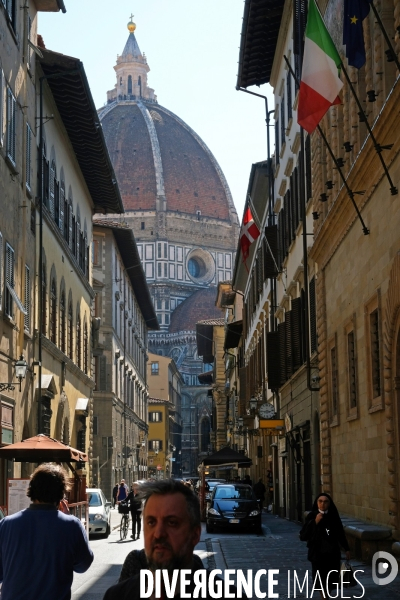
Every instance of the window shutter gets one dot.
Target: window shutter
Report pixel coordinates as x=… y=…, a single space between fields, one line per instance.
x=77 y=242
x=27 y=317
x=57 y=202
x=259 y=271
x=52 y=183
x=28 y=156
x=313 y=316
x=283 y=122
x=46 y=191
x=296 y=334
x=277 y=142
x=289 y=95
x=308 y=168
x=1 y=271
x=61 y=204
x=271 y=258
x=10 y=125
x=9 y=265
x=243 y=389
x=282 y=351
x=2 y=101
x=288 y=344
x=273 y=361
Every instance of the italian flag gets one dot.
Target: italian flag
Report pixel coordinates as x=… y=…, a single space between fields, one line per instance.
x=320 y=83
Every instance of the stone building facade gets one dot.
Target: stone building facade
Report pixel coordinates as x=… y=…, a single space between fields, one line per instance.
x=123 y=314
x=179 y=207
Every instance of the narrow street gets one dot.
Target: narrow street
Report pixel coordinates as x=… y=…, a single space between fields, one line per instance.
x=279 y=548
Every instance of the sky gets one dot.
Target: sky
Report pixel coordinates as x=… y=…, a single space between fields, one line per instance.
x=192 y=48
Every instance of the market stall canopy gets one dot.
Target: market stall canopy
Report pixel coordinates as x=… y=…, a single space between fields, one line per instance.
x=227 y=456
x=41 y=448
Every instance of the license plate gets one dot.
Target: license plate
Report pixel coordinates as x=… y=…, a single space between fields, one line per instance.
x=234 y=521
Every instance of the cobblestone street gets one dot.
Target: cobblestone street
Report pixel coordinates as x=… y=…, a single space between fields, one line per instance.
x=280 y=548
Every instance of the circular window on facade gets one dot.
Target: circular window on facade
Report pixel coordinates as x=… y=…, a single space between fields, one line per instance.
x=200 y=266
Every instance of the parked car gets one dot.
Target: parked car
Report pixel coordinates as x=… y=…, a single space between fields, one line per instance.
x=233 y=506
x=99 y=512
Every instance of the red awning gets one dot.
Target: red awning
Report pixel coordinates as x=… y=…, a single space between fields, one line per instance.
x=41 y=448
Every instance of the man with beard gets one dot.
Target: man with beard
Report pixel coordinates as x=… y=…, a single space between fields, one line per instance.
x=171 y=528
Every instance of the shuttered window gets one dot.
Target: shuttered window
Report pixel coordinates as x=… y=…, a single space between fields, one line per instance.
x=299 y=26
x=297 y=333
x=78 y=342
x=62 y=207
x=53 y=312
x=352 y=369
x=2 y=106
x=283 y=121
x=27 y=317
x=308 y=168
x=52 y=183
x=70 y=332
x=277 y=148
x=334 y=382
x=28 y=156
x=273 y=361
x=44 y=301
x=282 y=351
x=8 y=300
x=85 y=348
x=271 y=258
x=375 y=353
x=313 y=317
x=63 y=323
x=11 y=131
x=289 y=95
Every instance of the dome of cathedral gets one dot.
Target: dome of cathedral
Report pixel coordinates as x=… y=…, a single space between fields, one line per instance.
x=160 y=162
x=198 y=307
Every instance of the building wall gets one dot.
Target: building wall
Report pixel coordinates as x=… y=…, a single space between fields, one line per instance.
x=120 y=356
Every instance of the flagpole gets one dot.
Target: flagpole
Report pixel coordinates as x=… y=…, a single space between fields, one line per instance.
x=385 y=35
x=348 y=189
x=363 y=119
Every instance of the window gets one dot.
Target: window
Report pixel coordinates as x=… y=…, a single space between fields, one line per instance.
x=155 y=416
x=8 y=300
x=2 y=102
x=289 y=95
x=53 y=312
x=333 y=382
x=28 y=157
x=70 y=332
x=96 y=252
x=7 y=423
x=61 y=221
x=85 y=348
x=78 y=341
x=142 y=225
x=44 y=299
x=155 y=445
x=27 y=317
x=11 y=132
x=375 y=353
x=62 y=323
x=52 y=182
x=9 y=5
x=166 y=319
x=155 y=368
x=352 y=372
x=29 y=29
x=373 y=342
x=129 y=84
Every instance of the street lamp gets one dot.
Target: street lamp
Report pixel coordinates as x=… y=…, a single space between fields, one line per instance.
x=21 y=367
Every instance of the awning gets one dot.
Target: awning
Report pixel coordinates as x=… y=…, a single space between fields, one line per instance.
x=82 y=406
x=16 y=299
x=227 y=456
x=41 y=448
x=233 y=333
x=48 y=385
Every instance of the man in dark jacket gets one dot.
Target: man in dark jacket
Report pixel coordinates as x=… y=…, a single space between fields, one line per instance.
x=114 y=495
x=41 y=547
x=259 y=490
x=135 y=506
x=171 y=527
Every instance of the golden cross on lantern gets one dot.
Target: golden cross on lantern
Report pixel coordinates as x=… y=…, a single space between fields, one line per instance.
x=131 y=17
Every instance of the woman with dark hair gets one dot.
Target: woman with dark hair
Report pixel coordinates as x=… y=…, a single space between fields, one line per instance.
x=323 y=531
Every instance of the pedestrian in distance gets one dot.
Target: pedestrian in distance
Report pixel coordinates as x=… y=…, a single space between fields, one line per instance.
x=40 y=546
x=114 y=495
x=122 y=491
x=259 y=490
x=135 y=507
x=171 y=527
x=323 y=531
x=247 y=480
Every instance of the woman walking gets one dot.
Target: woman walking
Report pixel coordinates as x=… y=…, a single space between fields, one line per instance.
x=323 y=531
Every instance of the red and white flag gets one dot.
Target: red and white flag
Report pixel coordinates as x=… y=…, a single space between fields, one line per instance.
x=248 y=233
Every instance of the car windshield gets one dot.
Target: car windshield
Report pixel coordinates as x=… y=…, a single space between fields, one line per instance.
x=94 y=499
x=229 y=492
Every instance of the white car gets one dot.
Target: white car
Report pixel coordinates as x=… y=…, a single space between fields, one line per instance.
x=99 y=512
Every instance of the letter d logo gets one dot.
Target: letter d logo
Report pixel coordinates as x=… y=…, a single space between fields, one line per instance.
x=384 y=563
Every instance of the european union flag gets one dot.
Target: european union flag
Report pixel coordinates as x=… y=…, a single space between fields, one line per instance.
x=355 y=12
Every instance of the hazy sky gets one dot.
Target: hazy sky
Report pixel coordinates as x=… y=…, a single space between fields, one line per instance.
x=192 y=48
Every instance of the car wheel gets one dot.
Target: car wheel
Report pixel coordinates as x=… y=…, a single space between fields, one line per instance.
x=108 y=531
x=209 y=528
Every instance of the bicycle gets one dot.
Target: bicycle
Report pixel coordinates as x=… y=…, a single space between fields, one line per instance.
x=123 y=509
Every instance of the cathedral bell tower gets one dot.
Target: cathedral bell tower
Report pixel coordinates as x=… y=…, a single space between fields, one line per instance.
x=131 y=70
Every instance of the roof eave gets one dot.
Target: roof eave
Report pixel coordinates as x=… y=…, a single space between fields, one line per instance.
x=76 y=107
